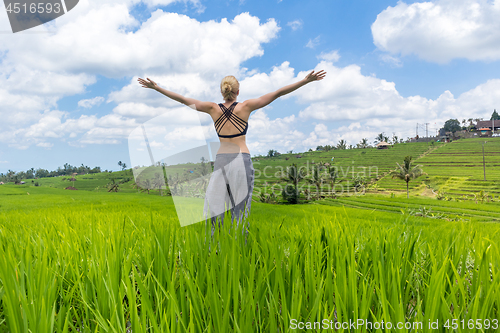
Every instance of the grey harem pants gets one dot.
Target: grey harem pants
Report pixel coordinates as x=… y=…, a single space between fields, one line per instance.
x=230 y=188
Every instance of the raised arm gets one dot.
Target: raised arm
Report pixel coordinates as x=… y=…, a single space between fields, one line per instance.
x=198 y=105
x=257 y=103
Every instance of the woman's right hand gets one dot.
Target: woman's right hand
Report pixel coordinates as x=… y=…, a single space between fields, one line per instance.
x=315 y=76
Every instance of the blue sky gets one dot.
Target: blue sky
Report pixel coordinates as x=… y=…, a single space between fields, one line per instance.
x=69 y=92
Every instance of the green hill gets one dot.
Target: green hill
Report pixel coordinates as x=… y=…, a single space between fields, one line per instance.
x=455 y=169
x=370 y=163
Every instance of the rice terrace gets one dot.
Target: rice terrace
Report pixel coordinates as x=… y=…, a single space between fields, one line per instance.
x=336 y=243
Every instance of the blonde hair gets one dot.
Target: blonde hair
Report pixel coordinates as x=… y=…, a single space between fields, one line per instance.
x=229 y=87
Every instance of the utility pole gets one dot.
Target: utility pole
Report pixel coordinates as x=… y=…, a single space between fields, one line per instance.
x=416 y=135
x=426 y=130
x=484 y=165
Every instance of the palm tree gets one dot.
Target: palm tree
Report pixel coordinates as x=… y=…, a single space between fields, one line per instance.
x=395 y=139
x=10 y=173
x=295 y=175
x=471 y=124
x=317 y=180
x=363 y=143
x=407 y=171
x=333 y=176
x=342 y=144
x=381 y=137
x=113 y=186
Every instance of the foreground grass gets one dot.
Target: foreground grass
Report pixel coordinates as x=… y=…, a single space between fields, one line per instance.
x=99 y=262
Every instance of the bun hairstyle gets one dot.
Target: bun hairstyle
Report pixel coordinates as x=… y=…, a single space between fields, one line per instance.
x=229 y=87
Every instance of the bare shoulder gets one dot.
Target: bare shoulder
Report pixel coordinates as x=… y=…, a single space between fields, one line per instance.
x=247 y=106
x=260 y=102
x=207 y=107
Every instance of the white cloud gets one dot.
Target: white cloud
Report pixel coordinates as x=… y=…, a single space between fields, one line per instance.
x=45 y=144
x=312 y=43
x=25 y=92
x=369 y=105
x=184 y=134
x=391 y=60
x=374 y=105
x=354 y=125
x=320 y=136
x=295 y=25
x=22 y=79
x=188 y=84
x=265 y=133
x=139 y=110
x=37 y=70
x=154 y=3
x=88 y=103
x=96 y=41
x=441 y=30
x=49 y=126
x=259 y=84
x=332 y=56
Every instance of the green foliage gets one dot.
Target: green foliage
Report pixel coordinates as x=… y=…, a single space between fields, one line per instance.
x=342 y=144
x=381 y=137
x=113 y=186
x=452 y=125
x=495 y=115
x=425 y=212
x=325 y=148
x=363 y=143
x=290 y=194
x=273 y=153
x=407 y=171
x=316 y=180
x=267 y=198
x=441 y=195
x=359 y=183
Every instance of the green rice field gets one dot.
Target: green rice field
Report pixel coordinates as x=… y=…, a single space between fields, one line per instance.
x=457 y=168
x=93 y=261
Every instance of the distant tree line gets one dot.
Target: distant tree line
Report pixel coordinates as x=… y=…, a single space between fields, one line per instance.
x=363 y=143
x=66 y=170
x=454 y=125
x=342 y=144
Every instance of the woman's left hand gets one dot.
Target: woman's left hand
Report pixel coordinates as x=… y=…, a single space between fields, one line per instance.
x=315 y=76
x=151 y=84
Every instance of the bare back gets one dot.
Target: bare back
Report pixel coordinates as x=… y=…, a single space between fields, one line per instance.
x=240 y=114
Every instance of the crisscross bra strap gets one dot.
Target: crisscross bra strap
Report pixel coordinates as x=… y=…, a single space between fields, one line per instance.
x=228 y=115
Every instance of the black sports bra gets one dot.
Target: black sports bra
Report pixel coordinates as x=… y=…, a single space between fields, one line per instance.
x=227 y=114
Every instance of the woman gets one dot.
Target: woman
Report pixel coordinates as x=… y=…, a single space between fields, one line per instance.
x=231 y=124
